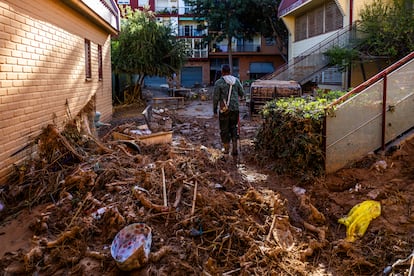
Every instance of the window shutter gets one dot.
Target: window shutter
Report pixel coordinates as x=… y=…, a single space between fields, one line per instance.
x=334 y=18
x=316 y=22
x=88 y=67
x=301 y=27
x=100 y=61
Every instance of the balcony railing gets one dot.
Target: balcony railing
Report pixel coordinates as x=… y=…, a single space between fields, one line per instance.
x=183 y=32
x=166 y=10
x=196 y=53
x=237 y=48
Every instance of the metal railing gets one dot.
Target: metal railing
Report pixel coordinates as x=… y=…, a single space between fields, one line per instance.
x=313 y=60
x=197 y=53
x=254 y=47
x=191 y=32
x=370 y=116
x=174 y=10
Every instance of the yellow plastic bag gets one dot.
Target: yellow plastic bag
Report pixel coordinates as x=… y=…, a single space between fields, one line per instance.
x=359 y=218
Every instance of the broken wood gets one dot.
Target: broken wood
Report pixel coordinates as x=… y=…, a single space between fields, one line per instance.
x=164 y=188
x=194 y=199
x=178 y=195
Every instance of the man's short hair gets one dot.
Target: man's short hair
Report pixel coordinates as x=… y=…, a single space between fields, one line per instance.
x=225 y=68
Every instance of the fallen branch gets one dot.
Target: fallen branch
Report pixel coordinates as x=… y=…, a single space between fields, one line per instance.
x=117 y=183
x=320 y=232
x=96 y=255
x=271 y=227
x=65 y=142
x=147 y=203
x=314 y=214
x=70 y=234
x=124 y=150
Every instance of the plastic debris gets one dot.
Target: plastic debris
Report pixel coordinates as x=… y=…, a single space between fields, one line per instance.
x=131 y=246
x=359 y=218
x=380 y=165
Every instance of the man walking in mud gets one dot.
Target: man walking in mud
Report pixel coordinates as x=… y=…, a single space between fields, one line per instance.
x=227 y=91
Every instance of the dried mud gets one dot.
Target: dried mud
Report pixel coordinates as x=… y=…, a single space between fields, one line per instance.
x=210 y=214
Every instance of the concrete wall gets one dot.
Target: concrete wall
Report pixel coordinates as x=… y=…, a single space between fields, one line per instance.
x=42 y=72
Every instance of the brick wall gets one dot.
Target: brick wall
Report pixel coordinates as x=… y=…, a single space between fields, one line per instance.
x=42 y=72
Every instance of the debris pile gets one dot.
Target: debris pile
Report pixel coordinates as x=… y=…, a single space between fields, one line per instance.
x=209 y=214
x=203 y=219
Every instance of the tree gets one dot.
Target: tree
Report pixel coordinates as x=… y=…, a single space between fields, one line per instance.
x=262 y=16
x=388 y=28
x=145 y=47
x=228 y=19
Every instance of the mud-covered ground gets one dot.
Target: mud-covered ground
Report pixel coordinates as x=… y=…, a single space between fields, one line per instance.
x=209 y=214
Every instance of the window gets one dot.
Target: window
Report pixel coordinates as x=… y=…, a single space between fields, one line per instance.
x=124 y=2
x=88 y=67
x=188 y=30
x=322 y=19
x=301 y=31
x=333 y=17
x=270 y=41
x=100 y=69
x=188 y=9
x=315 y=22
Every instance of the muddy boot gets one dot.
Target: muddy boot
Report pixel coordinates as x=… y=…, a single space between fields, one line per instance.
x=226 y=148
x=234 y=147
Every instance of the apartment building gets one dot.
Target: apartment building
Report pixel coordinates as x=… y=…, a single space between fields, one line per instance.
x=314 y=26
x=251 y=58
x=55 y=59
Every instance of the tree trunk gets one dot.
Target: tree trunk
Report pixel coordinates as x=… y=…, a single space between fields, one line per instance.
x=138 y=88
x=230 y=53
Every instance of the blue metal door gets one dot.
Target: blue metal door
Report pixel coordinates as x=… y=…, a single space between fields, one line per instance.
x=191 y=76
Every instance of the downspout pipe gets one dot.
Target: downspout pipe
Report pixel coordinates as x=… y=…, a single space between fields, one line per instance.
x=351 y=13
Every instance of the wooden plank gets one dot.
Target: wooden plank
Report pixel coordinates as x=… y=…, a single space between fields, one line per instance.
x=177 y=102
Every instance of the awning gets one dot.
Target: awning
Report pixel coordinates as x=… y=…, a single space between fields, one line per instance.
x=187 y=19
x=261 y=67
x=287 y=6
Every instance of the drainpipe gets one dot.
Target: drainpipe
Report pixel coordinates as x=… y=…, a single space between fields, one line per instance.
x=351 y=13
x=351 y=18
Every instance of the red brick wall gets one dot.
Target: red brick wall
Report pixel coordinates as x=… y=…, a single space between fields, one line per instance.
x=42 y=67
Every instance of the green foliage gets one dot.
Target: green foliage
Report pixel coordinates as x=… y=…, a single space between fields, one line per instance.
x=261 y=17
x=341 y=57
x=145 y=47
x=388 y=28
x=291 y=134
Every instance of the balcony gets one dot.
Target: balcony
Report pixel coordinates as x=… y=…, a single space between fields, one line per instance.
x=166 y=11
x=191 y=32
x=236 y=48
x=198 y=54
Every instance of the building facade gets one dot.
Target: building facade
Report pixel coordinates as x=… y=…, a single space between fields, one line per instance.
x=251 y=59
x=316 y=25
x=55 y=58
